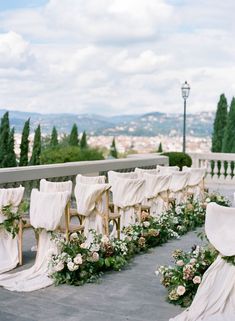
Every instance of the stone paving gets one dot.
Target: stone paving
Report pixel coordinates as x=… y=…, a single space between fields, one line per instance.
x=133 y=294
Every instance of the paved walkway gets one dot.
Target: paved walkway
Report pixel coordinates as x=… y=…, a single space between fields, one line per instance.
x=134 y=294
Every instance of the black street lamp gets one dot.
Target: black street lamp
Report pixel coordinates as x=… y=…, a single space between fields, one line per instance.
x=185 y=93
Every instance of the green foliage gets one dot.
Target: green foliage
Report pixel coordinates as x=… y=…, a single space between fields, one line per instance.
x=178 y=159
x=11 y=156
x=36 y=153
x=54 y=138
x=83 y=142
x=113 y=149
x=24 y=145
x=220 y=123
x=4 y=140
x=73 y=138
x=229 y=134
x=160 y=150
x=66 y=154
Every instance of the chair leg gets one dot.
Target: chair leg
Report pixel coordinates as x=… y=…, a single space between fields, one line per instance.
x=20 y=241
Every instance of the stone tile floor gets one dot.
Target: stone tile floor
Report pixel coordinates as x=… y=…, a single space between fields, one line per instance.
x=133 y=294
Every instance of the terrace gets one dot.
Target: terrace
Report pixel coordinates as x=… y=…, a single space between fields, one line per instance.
x=134 y=294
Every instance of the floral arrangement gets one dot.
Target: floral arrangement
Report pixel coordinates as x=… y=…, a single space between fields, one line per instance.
x=217 y=198
x=13 y=217
x=77 y=262
x=183 y=279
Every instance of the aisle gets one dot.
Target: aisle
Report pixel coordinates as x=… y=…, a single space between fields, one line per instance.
x=134 y=294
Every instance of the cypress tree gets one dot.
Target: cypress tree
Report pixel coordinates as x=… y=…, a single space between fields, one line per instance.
x=113 y=149
x=73 y=138
x=24 y=145
x=229 y=135
x=54 y=138
x=36 y=153
x=4 y=139
x=83 y=142
x=219 y=124
x=11 y=157
x=160 y=148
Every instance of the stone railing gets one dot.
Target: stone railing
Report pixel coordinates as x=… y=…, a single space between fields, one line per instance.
x=220 y=167
x=30 y=176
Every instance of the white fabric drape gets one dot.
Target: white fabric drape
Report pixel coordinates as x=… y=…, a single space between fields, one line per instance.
x=90 y=204
x=127 y=194
x=195 y=181
x=164 y=170
x=46 y=186
x=46 y=211
x=178 y=184
x=9 y=255
x=142 y=171
x=215 y=298
x=112 y=175
x=155 y=187
x=90 y=179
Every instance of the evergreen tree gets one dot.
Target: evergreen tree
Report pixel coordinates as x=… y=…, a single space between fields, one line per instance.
x=219 y=124
x=36 y=153
x=24 y=145
x=73 y=138
x=54 y=138
x=160 y=148
x=83 y=142
x=11 y=157
x=4 y=139
x=229 y=135
x=113 y=149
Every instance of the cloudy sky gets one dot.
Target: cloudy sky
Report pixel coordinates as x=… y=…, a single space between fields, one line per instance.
x=115 y=56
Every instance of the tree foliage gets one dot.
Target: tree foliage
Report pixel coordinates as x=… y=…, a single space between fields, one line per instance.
x=24 y=145
x=11 y=156
x=219 y=125
x=160 y=150
x=54 y=137
x=73 y=138
x=36 y=153
x=4 y=139
x=83 y=142
x=113 y=149
x=229 y=134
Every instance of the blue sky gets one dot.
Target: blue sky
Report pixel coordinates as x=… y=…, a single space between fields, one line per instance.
x=115 y=56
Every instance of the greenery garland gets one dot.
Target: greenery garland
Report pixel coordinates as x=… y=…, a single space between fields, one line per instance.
x=13 y=217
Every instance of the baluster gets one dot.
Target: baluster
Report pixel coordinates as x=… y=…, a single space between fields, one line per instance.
x=229 y=171
x=222 y=171
x=216 y=170
x=208 y=166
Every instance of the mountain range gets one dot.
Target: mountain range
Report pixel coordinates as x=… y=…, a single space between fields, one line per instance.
x=150 y=124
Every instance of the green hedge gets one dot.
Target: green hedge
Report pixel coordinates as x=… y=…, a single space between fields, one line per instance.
x=178 y=159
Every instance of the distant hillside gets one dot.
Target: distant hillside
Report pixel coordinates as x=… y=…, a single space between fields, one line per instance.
x=150 y=124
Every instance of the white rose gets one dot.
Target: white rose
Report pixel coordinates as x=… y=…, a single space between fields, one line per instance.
x=180 y=290
x=157 y=273
x=78 y=259
x=95 y=248
x=146 y=224
x=72 y=267
x=193 y=261
x=95 y=257
x=180 y=263
x=197 y=280
x=59 y=266
x=73 y=236
x=84 y=246
x=105 y=239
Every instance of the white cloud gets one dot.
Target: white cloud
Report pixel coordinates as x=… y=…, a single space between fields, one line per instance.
x=116 y=56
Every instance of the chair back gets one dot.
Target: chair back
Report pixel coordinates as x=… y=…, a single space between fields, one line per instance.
x=141 y=171
x=112 y=176
x=90 y=179
x=10 y=196
x=179 y=181
x=167 y=169
x=156 y=184
x=54 y=187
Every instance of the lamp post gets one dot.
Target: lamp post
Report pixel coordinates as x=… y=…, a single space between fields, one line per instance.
x=185 y=93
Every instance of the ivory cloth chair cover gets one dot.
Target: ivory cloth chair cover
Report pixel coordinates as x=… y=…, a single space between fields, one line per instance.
x=178 y=184
x=90 y=204
x=196 y=181
x=166 y=169
x=46 y=186
x=46 y=211
x=112 y=175
x=215 y=297
x=90 y=179
x=127 y=194
x=141 y=171
x=9 y=252
x=155 y=187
